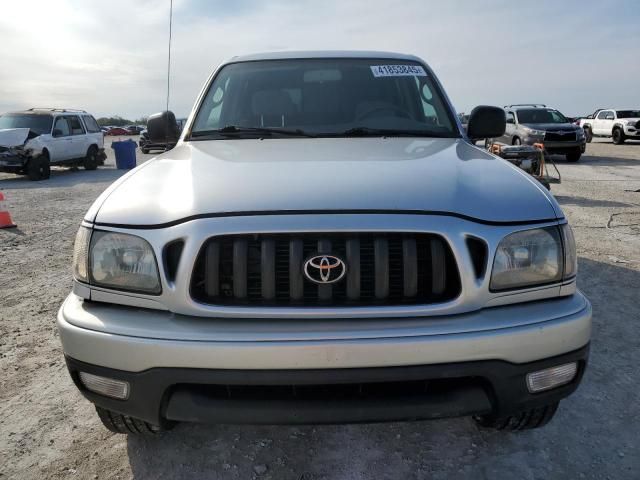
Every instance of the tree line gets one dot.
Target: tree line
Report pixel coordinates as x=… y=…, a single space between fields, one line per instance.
x=118 y=121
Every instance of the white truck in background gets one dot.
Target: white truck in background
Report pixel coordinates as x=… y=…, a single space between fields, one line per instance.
x=618 y=124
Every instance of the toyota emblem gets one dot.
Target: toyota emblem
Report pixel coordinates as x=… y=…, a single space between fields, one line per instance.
x=324 y=269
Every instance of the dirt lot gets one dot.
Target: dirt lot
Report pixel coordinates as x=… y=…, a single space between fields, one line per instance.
x=47 y=430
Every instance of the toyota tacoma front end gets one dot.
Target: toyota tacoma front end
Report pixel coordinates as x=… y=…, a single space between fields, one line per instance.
x=325 y=245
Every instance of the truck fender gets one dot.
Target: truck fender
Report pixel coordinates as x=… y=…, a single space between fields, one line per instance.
x=35 y=146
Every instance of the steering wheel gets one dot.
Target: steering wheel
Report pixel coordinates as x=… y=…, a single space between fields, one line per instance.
x=381 y=108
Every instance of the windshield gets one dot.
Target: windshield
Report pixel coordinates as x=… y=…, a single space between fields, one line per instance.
x=323 y=97
x=40 y=124
x=628 y=113
x=541 y=115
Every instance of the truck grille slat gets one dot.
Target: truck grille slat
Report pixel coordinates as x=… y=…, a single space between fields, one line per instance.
x=353 y=269
x=381 y=269
x=409 y=267
x=212 y=260
x=240 y=249
x=438 y=270
x=296 y=257
x=268 y=268
x=381 y=252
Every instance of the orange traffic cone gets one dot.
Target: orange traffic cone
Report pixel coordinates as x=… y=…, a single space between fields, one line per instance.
x=5 y=217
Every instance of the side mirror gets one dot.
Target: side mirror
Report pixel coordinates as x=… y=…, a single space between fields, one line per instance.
x=486 y=122
x=162 y=127
x=57 y=132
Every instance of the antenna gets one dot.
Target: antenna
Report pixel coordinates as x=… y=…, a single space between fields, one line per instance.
x=168 y=73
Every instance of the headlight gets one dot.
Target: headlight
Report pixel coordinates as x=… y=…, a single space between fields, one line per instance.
x=534 y=132
x=123 y=262
x=528 y=258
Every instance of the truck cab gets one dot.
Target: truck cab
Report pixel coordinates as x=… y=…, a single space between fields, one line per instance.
x=325 y=244
x=617 y=124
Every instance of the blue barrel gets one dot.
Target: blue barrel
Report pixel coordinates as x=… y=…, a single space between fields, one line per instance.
x=125 y=154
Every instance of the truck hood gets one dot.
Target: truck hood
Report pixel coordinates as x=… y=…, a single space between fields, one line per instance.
x=13 y=137
x=323 y=174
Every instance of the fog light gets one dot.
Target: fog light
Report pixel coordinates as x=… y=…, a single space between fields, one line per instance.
x=105 y=386
x=551 y=377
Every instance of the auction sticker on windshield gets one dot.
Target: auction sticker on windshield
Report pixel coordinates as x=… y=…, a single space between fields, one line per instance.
x=398 y=71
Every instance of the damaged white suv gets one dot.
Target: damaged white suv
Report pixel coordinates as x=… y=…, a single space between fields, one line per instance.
x=323 y=245
x=33 y=140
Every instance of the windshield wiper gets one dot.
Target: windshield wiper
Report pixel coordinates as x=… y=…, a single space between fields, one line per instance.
x=389 y=132
x=233 y=130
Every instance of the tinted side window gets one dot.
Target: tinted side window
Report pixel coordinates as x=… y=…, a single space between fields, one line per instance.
x=91 y=124
x=602 y=115
x=75 y=125
x=62 y=126
x=511 y=117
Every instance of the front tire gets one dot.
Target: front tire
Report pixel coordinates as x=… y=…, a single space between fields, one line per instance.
x=39 y=167
x=525 y=420
x=588 y=134
x=144 y=150
x=516 y=141
x=118 y=423
x=575 y=155
x=91 y=160
x=618 y=136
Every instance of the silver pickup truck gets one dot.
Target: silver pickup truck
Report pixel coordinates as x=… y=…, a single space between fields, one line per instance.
x=325 y=245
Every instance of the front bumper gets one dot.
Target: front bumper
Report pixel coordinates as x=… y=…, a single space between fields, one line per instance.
x=12 y=162
x=179 y=368
x=632 y=132
x=330 y=395
x=149 y=145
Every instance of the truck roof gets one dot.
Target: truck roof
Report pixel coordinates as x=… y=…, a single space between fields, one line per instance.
x=323 y=54
x=617 y=108
x=47 y=111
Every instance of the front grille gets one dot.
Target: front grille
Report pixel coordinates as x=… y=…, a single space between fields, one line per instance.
x=560 y=136
x=332 y=392
x=381 y=269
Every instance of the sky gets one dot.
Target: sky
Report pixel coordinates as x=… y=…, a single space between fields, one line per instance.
x=110 y=57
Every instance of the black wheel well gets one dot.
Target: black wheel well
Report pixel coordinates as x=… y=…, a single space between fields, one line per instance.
x=44 y=152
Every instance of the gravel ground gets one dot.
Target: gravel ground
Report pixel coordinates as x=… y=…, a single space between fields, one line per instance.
x=47 y=429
